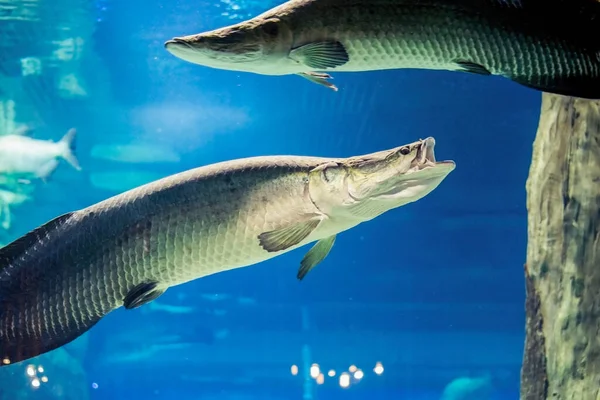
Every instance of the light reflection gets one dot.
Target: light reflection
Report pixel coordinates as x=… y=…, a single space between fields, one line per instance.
x=345 y=380
x=314 y=371
x=30 y=370
x=44 y=379
x=35 y=383
x=41 y=369
x=320 y=379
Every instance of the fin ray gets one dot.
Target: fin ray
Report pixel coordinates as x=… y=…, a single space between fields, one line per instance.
x=319 y=79
x=142 y=294
x=474 y=68
x=321 y=55
x=289 y=235
x=69 y=154
x=315 y=256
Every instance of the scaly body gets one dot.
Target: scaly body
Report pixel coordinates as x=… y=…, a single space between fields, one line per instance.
x=527 y=41
x=60 y=279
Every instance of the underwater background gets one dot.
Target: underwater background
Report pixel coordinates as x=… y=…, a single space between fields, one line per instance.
x=425 y=296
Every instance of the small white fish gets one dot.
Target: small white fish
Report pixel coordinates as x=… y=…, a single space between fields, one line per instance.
x=8 y=199
x=26 y=157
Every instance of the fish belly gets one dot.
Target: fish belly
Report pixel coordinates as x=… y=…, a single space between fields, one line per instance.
x=75 y=270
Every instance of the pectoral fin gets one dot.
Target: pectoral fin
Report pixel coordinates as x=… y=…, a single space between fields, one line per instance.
x=321 y=55
x=142 y=294
x=315 y=255
x=319 y=79
x=289 y=235
x=467 y=66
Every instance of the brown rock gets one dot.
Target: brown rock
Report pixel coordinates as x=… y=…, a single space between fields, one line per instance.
x=562 y=349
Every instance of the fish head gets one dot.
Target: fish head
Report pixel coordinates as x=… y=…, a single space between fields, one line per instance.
x=364 y=187
x=258 y=45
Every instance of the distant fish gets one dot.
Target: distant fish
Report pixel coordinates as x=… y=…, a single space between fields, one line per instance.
x=59 y=280
x=135 y=153
x=8 y=199
x=549 y=45
x=27 y=158
x=155 y=306
x=469 y=388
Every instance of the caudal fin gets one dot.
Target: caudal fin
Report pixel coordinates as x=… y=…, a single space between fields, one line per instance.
x=69 y=148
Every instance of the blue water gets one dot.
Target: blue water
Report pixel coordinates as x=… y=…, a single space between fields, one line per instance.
x=433 y=291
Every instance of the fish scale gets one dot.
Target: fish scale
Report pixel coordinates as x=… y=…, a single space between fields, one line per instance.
x=416 y=32
x=60 y=279
x=548 y=45
x=189 y=234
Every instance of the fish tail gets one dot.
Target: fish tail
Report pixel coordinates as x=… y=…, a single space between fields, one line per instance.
x=35 y=314
x=69 y=148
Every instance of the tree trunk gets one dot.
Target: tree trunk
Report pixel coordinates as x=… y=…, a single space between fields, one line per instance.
x=562 y=274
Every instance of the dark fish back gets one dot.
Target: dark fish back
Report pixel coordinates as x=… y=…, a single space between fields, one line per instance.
x=23 y=318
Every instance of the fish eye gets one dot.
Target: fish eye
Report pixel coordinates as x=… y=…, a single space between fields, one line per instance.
x=405 y=150
x=271 y=28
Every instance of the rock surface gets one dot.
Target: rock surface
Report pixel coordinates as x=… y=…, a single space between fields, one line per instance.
x=562 y=349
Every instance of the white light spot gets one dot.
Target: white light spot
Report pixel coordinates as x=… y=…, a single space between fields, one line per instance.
x=35 y=383
x=314 y=371
x=359 y=375
x=378 y=368
x=41 y=369
x=331 y=373
x=352 y=368
x=44 y=379
x=320 y=379
x=294 y=370
x=345 y=380
x=30 y=370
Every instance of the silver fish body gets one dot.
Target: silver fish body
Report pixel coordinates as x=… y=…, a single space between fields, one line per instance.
x=60 y=279
x=549 y=46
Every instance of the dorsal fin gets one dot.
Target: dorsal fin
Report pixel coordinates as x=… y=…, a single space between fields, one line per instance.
x=10 y=252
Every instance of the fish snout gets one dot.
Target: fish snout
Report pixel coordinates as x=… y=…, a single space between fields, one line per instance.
x=177 y=42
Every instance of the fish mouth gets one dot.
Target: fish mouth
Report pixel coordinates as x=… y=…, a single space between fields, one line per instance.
x=177 y=43
x=425 y=157
x=230 y=48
